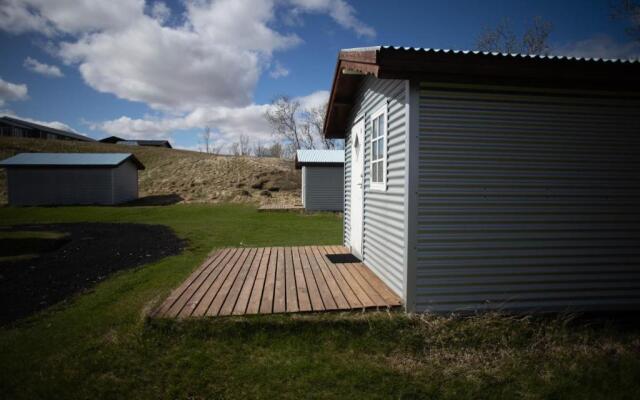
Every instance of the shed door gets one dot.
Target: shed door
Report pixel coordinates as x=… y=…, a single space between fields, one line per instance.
x=357 y=187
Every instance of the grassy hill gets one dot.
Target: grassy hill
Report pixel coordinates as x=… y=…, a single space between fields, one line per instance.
x=193 y=176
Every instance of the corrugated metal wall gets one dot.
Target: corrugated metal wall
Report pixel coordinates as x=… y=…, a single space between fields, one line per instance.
x=383 y=237
x=527 y=199
x=52 y=186
x=323 y=188
x=125 y=182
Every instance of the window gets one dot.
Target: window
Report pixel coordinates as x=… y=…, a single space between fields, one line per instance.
x=378 y=150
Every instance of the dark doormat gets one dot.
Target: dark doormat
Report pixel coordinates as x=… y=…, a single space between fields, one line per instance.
x=344 y=258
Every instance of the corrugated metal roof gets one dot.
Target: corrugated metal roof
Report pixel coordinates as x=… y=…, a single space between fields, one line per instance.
x=69 y=159
x=320 y=157
x=496 y=54
x=44 y=128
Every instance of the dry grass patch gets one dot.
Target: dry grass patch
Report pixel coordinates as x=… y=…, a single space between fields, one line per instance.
x=191 y=176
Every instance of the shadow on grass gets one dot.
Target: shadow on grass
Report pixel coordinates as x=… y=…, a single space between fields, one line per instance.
x=156 y=200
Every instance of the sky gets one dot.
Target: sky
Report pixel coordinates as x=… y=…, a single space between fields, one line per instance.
x=167 y=69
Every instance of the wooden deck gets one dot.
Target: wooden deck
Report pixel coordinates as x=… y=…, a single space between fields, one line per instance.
x=281 y=208
x=239 y=281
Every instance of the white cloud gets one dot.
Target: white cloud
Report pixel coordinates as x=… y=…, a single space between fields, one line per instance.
x=160 y=11
x=201 y=69
x=314 y=100
x=42 y=68
x=278 y=71
x=341 y=12
x=67 y=16
x=600 y=46
x=12 y=91
x=227 y=122
x=214 y=59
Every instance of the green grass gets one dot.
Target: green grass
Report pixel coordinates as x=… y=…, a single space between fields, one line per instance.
x=100 y=345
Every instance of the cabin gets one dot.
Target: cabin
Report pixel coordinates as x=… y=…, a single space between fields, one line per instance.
x=322 y=179
x=44 y=179
x=137 y=142
x=486 y=181
x=14 y=127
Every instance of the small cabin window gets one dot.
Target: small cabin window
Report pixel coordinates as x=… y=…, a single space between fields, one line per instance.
x=379 y=150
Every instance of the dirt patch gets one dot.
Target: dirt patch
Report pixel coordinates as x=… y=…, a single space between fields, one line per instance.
x=93 y=252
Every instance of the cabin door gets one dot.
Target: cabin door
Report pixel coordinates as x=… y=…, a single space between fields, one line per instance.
x=357 y=188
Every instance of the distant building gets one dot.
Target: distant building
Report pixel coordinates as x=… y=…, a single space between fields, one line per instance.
x=71 y=178
x=14 y=127
x=322 y=179
x=137 y=142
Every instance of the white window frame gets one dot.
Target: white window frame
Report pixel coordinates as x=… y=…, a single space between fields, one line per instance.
x=379 y=186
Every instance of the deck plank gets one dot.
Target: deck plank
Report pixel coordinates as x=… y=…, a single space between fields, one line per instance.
x=258 y=287
x=383 y=290
x=212 y=291
x=304 y=303
x=332 y=284
x=247 y=287
x=198 y=275
x=234 y=291
x=224 y=285
x=371 y=292
x=238 y=281
x=312 y=285
x=280 y=293
x=348 y=293
x=199 y=292
x=325 y=292
x=290 y=282
x=364 y=299
x=266 y=304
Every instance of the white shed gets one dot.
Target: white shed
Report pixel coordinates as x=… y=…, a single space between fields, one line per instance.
x=322 y=179
x=71 y=178
x=478 y=181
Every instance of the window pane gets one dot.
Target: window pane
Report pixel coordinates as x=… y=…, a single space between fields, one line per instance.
x=374 y=125
x=379 y=172
x=381 y=125
x=374 y=150
x=374 y=171
x=380 y=148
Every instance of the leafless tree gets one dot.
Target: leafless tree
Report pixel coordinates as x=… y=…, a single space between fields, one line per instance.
x=205 y=138
x=282 y=118
x=242 y=147
x=628 y=10
x=275 y=150
x=502 y=38
x=298 y=128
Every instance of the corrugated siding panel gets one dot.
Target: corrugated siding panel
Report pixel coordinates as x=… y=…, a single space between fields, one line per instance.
x=59 y=186
x=324 y=188
x=383 y=237
x=125 y=182
x=527 y=200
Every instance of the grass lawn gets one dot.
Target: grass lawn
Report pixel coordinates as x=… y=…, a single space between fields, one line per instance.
x=101 y=346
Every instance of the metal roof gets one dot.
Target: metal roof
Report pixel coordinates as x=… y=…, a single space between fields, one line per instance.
x=606 y=77
x=69 y=159
x=496 y=54
x=304 y=157
x=32 y=125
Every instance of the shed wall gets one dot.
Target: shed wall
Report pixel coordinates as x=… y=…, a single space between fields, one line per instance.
x=383 y=217
x=323 y=188
x=31 y=186
x=125 y=182
x=527 y=199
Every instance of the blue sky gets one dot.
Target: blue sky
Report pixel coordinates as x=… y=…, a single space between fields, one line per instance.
x=167 y=69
